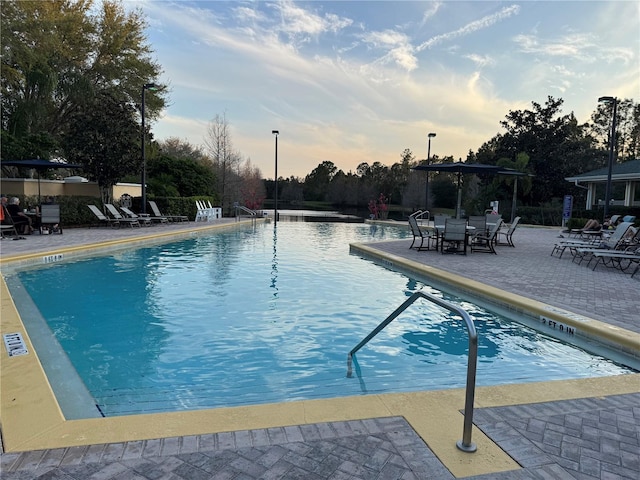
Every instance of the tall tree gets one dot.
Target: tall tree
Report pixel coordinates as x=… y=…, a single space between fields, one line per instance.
x=58 y=55
x=316 y=184
x=226 y=161
x=104 y=139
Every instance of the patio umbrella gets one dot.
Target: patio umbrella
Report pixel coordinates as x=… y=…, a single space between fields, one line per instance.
x=461 y=168
x=38 y=165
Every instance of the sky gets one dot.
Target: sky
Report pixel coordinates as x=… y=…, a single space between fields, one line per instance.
x=361 y=81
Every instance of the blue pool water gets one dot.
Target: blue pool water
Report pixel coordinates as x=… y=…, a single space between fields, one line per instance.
x=263 y=315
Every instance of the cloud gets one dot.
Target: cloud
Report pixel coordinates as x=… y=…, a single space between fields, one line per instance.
x=583 y=47
x=480 y=60
x=471 y=27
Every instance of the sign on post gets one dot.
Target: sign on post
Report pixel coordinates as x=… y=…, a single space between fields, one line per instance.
x=567 y=207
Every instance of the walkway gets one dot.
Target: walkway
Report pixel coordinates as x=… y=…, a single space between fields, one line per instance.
x=596 y=437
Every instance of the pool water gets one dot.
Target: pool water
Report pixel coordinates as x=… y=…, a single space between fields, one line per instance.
x=266 y=314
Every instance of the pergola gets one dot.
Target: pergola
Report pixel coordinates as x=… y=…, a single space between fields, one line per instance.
x=627 y=173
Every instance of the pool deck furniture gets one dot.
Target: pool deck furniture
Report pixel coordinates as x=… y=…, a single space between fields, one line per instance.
x=102 y=218
x=298 y=440
x=113 y=211
x=419 y=233
x=142 y=219
x=169 y=217
x=486 y=241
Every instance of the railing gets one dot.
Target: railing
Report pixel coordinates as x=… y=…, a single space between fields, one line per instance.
x=252 y=213
x=420 y=216
x=466 y=445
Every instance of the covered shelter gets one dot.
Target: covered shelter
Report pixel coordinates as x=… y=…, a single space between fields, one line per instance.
x=627 y=173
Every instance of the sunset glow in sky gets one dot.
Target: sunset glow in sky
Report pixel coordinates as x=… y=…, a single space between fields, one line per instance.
x=360 y=81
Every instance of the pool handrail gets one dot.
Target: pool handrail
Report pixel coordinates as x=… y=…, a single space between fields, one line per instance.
x=466 y=445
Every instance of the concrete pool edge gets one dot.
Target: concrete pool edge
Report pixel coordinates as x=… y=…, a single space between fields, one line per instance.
x=609 y=335
x=434 y=415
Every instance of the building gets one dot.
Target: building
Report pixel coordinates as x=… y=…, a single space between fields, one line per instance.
x=625 y=174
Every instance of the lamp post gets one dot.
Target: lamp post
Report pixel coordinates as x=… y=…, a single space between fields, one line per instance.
x=430 y=136
x=143 y=180
x=275 y=210
x=612 y=145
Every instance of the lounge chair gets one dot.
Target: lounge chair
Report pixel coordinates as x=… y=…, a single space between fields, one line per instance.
x=508 y=233
x=7 y=226
x=50 y=219
x=454 y=235
x=622 y=241
x=132 y=222
x=170 y=218
x=418 y=233
x=485 y=242
x=560 y=247
x=102 y=217
x=143 y=220
x=620 y=259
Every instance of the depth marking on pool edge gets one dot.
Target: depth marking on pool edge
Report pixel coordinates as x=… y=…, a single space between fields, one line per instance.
x=15 y=344
x=557 y=325
x=52 y=258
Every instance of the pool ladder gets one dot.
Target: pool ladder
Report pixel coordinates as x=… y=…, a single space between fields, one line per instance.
x=466 y=445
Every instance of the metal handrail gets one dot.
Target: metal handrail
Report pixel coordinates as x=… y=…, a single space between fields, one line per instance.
x=466 y=445
x=252 y=213
x=420 y=215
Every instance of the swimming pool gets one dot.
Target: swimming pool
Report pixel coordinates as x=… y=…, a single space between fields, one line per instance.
x=265 y=315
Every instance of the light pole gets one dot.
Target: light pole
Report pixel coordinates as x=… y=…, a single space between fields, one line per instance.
x=275 y=210
x=430 y=136
x=612 y=146
x=143 y=180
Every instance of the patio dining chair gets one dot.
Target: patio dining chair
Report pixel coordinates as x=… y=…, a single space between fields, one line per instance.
x=508 y=233
x=7 y=225
x=454 y=236
x=485 y=241
x=419 y=233
x=50 y=219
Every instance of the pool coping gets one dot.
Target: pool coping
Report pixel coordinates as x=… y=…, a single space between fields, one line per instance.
x=31 y=419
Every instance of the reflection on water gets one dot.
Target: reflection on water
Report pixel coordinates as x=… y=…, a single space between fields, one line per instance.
x=263 y=315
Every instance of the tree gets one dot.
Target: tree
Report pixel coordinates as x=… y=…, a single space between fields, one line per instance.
x=252 y=189
x=556 y=145
x=179 y=177
x=57 y=56
x=181 y=149
x=225 y=161
x=104 y=138
x=316 y=184
x=627 y=128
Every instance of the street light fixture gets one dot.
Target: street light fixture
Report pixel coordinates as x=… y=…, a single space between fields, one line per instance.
x=275 y=210
x=143 y=181
x=612 y=144
x=430 y=136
